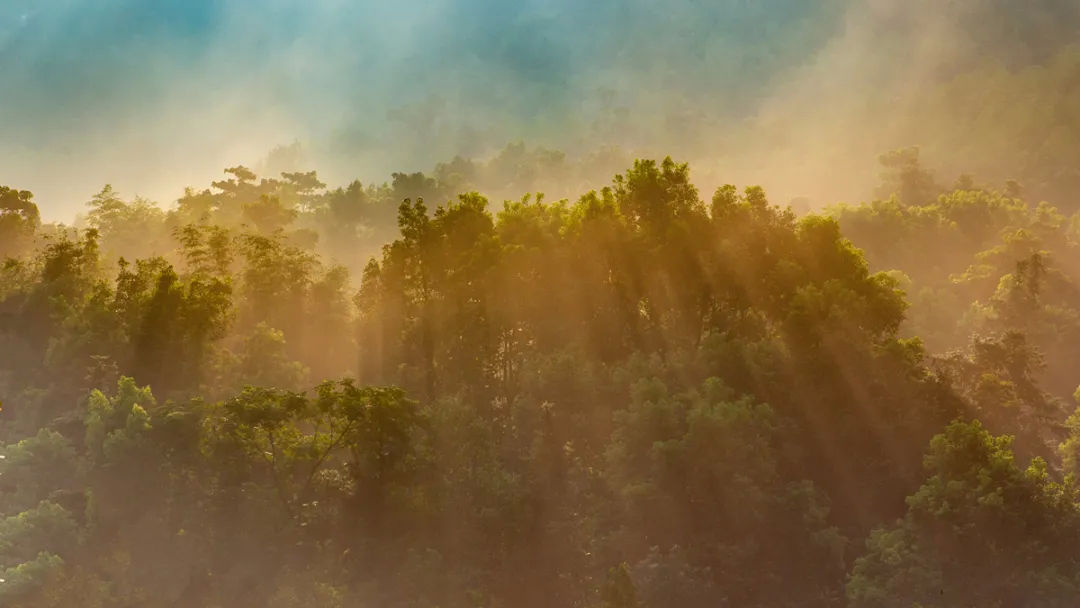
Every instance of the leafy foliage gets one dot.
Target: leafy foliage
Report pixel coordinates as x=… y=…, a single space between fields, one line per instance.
x=637 y=398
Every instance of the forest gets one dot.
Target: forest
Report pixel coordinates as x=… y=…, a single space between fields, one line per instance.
x=765 y=304
x=277 y=393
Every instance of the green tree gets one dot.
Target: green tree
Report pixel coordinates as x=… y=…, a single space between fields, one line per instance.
x=19 y=220
x=980 y=531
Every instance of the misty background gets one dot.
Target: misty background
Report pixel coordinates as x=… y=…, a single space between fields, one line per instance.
x=798 y=96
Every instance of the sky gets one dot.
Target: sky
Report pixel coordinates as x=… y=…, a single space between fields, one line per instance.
x=155 y=95
x=152 y=96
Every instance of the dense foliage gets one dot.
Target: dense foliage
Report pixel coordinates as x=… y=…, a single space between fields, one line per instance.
x=638 y=398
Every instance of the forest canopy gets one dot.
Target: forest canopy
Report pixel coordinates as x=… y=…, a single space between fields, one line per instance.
x=539 y=304
x=640 y=397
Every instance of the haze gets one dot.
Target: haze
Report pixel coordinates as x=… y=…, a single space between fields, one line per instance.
x=460 y=304
x=155 y=98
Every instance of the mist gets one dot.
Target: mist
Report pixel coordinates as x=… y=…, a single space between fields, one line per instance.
x=459 y=303
x=168 y=96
